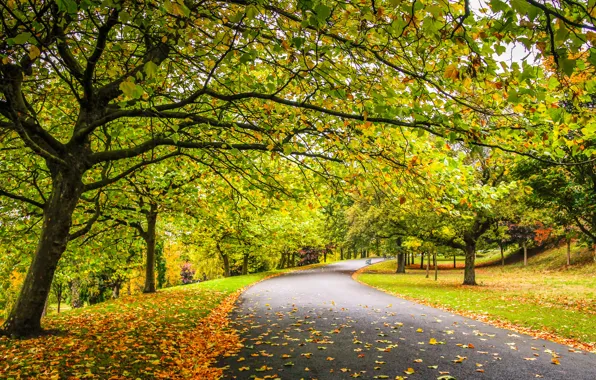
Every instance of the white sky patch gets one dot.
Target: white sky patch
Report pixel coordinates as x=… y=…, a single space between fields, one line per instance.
x=515 y=52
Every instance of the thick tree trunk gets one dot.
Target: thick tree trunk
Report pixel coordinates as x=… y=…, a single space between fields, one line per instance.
x=525 y=247
x=568 y=251
x=226 y=263
x=469 y=269
x=454 y=261
x=149 y=237
x=422 y=260
x=45 y=307
x=401 y=261
x=25 y=316
x=245 y=264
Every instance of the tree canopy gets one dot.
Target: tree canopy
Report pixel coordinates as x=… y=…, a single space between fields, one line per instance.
x=114 y=110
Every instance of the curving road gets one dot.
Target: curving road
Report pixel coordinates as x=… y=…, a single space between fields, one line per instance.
x=321 y=324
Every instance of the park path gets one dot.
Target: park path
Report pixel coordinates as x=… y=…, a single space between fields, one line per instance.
x=321 y=324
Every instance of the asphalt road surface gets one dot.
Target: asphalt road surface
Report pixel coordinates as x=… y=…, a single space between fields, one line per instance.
x=321 y=324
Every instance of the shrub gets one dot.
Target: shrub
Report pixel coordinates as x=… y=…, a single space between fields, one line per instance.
x=187 y=273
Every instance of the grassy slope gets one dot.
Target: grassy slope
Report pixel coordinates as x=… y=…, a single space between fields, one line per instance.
x=137 y=336
x=544 y=296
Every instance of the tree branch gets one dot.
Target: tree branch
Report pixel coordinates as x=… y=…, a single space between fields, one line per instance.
x=22 y=199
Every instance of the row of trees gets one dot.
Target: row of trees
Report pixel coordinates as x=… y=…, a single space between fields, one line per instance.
x=110 y=112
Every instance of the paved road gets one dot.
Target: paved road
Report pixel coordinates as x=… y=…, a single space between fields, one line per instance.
x=321 y=324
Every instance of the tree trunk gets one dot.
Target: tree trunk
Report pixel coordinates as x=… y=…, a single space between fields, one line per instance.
x=454 y=261
x=568 y=251
x=502 y=255
x=436 y=266
x=59 y=297
x=45 y=307
x=25 y=316
x=75 y=294
x=422 y=260
x=282 y=260
x=377 y=252
x=469 y=269
x=245 y=264
x=428 y=264
x=401 y=261
x=525 y=246
x=341 y=253
x=226 y=263
x=325 y=255
x=149 y=237
x=116 y=289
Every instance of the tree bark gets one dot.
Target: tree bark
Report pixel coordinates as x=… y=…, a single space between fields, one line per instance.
x=325 y=255
x=226 y=263
x=282 y=260
x=428 y=265
x=224 y=258
x=149 y=238
x=59 y=297
x=422 y=260
x=341 y=253
x=525 y=247
x=568 y=251
x=401 y=261
x=75 y=294
x=25 y=316
x=436 y=266
x=116 y=290
x=245 y=264
x=469 y=269
x=45 y=307
x=454 y=261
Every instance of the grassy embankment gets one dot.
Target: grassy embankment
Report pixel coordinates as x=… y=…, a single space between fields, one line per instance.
x=546 y=298
x=177 y=332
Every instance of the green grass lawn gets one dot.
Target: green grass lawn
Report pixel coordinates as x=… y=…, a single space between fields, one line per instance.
x=143 y=336
x=544 y=296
